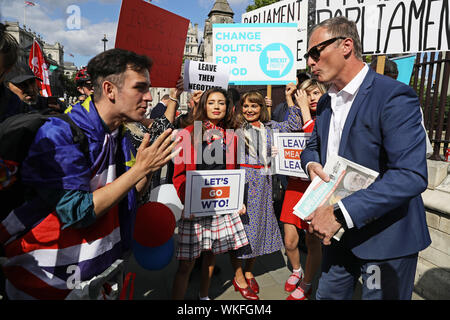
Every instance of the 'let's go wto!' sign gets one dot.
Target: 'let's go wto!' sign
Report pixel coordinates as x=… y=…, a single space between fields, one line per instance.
x=213 y=192
x=256 y=53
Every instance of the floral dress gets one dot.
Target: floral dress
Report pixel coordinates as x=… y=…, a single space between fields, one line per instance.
x=260 y=222
x=136 y=131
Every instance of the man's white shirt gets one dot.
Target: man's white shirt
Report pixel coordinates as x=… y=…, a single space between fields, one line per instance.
x=341 y=103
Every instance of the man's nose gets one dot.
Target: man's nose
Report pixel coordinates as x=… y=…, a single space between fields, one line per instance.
x=310 y=61
x=148 y=96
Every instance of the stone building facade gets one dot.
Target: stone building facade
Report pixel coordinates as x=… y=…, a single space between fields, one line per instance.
x=54 y=53
x=220 y=13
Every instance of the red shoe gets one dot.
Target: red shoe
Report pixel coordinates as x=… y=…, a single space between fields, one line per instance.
x=253 y=284
x=247 y=293
x=291 y=287
x=302 y=295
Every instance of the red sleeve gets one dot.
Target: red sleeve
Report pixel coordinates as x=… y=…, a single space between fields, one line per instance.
x=308 y=126
x=179 y=178
x=179 y=170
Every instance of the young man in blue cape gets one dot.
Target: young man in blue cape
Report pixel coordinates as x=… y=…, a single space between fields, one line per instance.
x=79 y=221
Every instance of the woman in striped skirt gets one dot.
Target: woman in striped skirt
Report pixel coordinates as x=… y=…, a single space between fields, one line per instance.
x=210 y=234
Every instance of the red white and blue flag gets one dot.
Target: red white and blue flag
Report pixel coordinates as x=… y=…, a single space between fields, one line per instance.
x=47 y=260
x=29 y=3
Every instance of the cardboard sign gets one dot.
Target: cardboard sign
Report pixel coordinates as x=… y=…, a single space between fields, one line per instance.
x=287 y=11
x=211 y=192
x=202 y=76
x=257 y=54
x=395 y=26
x=290 y=147
x=159 y=34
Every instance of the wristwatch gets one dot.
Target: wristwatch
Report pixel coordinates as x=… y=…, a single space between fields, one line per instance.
x=339 y=216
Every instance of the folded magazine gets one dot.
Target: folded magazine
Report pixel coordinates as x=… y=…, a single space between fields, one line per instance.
x=346 y=177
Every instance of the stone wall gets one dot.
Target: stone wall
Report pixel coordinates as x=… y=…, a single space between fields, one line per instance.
x=433 y=269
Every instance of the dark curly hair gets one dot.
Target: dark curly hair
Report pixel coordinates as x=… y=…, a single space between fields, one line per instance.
x=112 y=64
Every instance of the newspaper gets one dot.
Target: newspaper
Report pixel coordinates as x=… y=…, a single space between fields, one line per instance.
x=346 y=177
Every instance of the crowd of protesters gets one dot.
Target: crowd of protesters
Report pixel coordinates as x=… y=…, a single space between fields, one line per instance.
x=80 y=204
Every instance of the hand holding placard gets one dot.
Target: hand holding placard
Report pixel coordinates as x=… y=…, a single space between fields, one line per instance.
x=212 y=192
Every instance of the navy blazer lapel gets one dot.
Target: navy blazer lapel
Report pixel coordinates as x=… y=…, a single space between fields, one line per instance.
x=325 y=128
x=357 y=104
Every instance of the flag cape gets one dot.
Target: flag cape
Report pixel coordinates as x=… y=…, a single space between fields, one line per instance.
x=42 y=255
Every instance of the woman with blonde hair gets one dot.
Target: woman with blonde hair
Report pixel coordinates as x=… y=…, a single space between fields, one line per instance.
x=260 y=222
x=299 y=282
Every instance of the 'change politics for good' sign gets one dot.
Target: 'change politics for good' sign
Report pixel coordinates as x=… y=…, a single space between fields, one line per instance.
x=256 y=53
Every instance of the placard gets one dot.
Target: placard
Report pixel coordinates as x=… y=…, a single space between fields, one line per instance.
x=157 y=33
x=394 y=26
x=211 y=192
x=257 y=54
x=287 y=11
x=199 y=75
x=290 y=146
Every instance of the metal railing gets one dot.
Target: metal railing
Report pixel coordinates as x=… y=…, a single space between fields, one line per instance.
x=430 y=79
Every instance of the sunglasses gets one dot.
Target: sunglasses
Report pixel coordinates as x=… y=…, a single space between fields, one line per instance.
x=314 y=52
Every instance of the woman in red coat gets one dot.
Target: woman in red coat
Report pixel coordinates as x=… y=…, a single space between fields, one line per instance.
x=299 y=283
x=208 y=234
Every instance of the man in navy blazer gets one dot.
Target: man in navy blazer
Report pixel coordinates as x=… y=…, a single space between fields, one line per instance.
x=374 y=121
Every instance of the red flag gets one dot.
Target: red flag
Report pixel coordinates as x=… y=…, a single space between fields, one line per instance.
x=29 y=3
x=37 y=63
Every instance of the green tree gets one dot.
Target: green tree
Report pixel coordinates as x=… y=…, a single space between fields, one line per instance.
x=69 y=85
x=260 y=3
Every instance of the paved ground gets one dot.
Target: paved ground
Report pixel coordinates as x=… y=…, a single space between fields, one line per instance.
x=271 y=272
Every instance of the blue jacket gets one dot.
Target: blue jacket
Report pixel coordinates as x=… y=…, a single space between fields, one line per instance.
x=383 y=132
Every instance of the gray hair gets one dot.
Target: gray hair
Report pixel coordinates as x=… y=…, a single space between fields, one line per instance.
x=342 y=27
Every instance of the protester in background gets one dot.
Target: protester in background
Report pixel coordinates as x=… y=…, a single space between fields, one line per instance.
x=157 y=112
x=390 y=67
x=186 y=119
x=83 y=82
x=161 y=106
x=209 y=234
x=373 y=121
x=9 y=106
x=281 y=112
x=9 y=103
x=22 y=82
x=279 y=181
x=235 y=97
x=299 y=282
x=83 y=206
x=261 y=225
